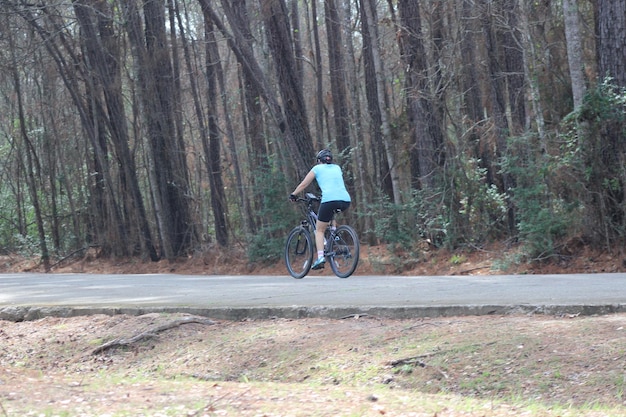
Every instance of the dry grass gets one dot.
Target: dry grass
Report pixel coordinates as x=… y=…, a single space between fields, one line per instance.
x=465 y=366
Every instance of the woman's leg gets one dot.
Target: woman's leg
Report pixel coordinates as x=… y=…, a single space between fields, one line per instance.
x=320 y=228
x=325 y=216
x=319 y=236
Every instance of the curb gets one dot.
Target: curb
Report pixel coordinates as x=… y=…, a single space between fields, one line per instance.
x=26 y=313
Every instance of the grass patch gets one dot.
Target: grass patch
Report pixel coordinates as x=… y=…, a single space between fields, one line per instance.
x=459 y=366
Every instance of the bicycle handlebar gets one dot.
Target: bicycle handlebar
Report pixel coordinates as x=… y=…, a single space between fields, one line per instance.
x=309 y=197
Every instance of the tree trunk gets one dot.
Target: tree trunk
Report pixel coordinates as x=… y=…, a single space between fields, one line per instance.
x=280 y=42
x=245 y=57
x=377 y=101
x=297 y=40
x=498 y=96
x=319 y=84
x=212 y=148
x=235 y=156
x=574 y=51
x=30 y=154
x=252 y=118
x=531 y=76
x=606 y=146
x=611 y=40
x=169 y=169
x=68 y=64
x=102 y=61
x=360 y=142
x=339 y=90
x=424 y=124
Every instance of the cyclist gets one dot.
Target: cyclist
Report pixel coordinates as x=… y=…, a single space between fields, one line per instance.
x=334 y=197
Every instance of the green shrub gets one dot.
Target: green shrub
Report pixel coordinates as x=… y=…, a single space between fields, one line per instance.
x=276 y=215
x=476 y=209
x=406 y=223
x=543 y=218
x=591 y=162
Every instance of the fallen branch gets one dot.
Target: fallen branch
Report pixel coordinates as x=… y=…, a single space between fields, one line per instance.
x=148 y=334
x=426 y=323
x=356 y=316
x=467 y=271
x=416 y=360
x=84 y=249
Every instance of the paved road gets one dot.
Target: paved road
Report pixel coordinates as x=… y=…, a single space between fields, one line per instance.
x=29 y=296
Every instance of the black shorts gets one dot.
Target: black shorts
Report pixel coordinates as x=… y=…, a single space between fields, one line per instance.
x=328 y=209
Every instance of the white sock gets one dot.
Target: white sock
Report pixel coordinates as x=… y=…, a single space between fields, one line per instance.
x=320 y=254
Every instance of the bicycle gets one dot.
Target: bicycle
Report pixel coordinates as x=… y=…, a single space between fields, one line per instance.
x=341 y=244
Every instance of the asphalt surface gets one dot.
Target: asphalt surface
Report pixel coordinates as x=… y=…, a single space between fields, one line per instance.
x=31 y=296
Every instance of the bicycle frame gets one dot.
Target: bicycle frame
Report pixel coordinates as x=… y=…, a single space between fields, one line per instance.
x=311 y=215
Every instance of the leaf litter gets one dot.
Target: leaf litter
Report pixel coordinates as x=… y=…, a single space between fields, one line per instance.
x=360 y=366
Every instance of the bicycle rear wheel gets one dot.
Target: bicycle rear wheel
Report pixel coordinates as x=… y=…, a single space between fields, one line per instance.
x=344 y=253
x=299 y=252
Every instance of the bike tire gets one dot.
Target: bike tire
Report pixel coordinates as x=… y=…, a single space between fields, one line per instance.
x=344 y=251
x=299 y=252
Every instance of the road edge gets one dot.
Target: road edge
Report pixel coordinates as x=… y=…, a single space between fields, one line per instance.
x=30 y=313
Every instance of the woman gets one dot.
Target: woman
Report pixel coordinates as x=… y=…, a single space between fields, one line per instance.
x=334 y=197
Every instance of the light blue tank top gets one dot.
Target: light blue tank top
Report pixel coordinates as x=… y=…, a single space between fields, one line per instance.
x=330 y=179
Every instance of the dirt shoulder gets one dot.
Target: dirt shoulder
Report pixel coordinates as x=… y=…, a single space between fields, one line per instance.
x=182 y=365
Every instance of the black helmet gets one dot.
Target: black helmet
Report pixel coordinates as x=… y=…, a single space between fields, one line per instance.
x=325 y=156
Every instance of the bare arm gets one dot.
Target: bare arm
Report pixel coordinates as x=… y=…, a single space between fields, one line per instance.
x=305 y=182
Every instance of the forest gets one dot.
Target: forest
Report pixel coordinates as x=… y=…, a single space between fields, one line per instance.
x=160 y=129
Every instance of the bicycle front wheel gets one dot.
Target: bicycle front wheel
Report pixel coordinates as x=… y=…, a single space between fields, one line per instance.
x=344 y=253
x=299 y=252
